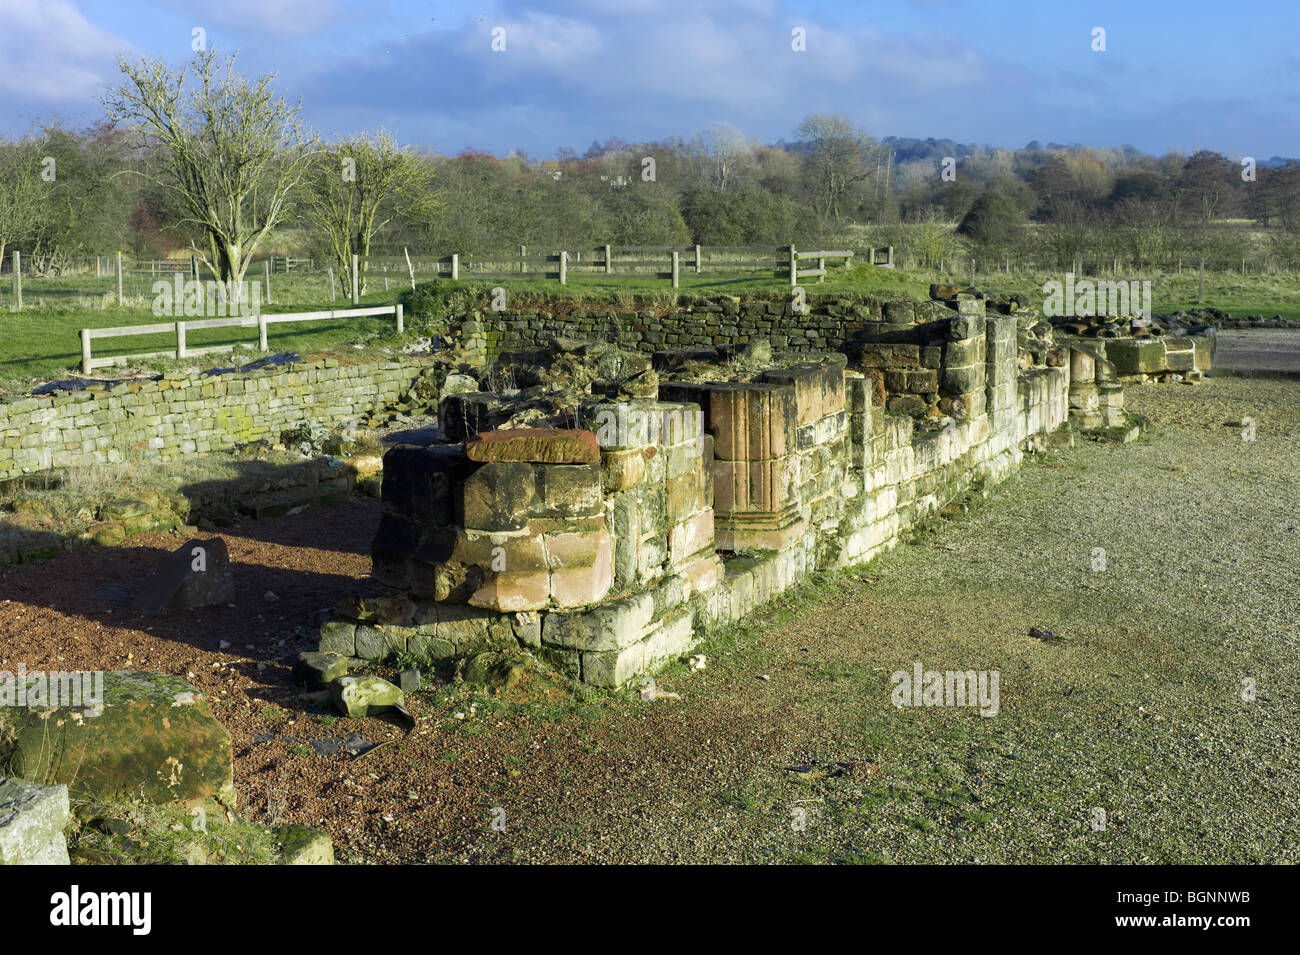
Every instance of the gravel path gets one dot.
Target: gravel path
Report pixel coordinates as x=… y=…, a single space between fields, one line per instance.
x=1136 y=710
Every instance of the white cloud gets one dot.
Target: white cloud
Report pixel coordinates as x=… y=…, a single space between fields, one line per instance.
x=50 y=53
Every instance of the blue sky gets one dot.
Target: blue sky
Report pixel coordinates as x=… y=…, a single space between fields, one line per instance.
x=1175 y=76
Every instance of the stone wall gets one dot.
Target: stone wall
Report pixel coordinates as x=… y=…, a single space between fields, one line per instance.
x=796 y=468
x=824 y=324
x=180 y=416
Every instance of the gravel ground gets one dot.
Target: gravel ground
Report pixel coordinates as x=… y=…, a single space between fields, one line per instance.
x=787 y=748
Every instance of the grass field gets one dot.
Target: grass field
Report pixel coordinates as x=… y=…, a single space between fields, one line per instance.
x=41 y=342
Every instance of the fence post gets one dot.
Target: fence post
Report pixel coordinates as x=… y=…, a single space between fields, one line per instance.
x=266 y=270
x=18 y=281
x=119 y=280
x=331 y=274
x=180 y=340
x=98 y=275
x=676 y=256
x=1200 y=282
x=821 y=267
x=564 y=266
x=261 y=331
x=85 y=351
x=455 y=266
x=523 y=251
x=356 y=279
x=699 y=263
x=794 y=267
x=401 y=323
x=609 y=262
x=890 y=261
x=972 y=273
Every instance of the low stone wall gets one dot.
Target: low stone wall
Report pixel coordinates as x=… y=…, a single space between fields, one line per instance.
x=796 y=468
x=818 y=325
x=181 y=416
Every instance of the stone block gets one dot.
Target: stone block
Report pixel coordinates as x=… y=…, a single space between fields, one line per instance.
x=338 y=637
x=499 y=496
x=154 y=737
x=534 y=445
x=761 y=485
x=195 y=575
x=419 y=482
x=818 y=388
x=690 y=537
x=32 y=819
x=582 y=567
x=567 y=490
x=1137 y=357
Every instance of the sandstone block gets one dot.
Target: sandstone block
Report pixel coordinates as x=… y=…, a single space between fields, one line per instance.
x=535 y=445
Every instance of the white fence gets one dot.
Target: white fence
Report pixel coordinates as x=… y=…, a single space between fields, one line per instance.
x=181 y=328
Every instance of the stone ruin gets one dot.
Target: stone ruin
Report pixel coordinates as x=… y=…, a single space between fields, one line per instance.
x=604 y=510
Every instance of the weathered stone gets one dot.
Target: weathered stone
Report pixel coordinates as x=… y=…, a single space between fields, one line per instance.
x=499 y=496
x=321 y=668
x=338 y=637
x=567 y=490
x=1137 y=357
x=496 y=670
x=420 y=482
x=32 y=818
x=358 y=696
x=155 y=736
x=303 y=845
x=535 y=445
x=194 y=576
x=582 y=567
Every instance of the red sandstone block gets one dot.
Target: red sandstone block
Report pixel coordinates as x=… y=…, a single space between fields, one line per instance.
x=752 y=421
x=743 y=486
x=535 y=445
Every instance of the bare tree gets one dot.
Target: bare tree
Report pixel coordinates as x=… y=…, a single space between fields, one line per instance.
x=235 y=154
x=21 y=192
x=351 y=189
x=726 y=150
x=840 y=156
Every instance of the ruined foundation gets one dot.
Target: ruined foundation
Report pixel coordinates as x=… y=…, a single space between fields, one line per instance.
x=612 y=546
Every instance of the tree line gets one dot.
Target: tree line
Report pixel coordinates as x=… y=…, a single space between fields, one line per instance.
x=204 y=161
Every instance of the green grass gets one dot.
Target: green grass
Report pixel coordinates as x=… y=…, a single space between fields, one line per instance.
x=41 y=342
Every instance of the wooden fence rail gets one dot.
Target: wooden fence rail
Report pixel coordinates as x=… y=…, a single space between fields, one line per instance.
x=181 y=328
x=663 y=261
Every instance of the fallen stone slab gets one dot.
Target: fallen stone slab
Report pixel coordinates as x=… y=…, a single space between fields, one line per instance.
x=303 y=845
x=32 y=818
x=535 y=446
x=357 y=696
x=321 y=669
x=154 y=736
x=196 y=575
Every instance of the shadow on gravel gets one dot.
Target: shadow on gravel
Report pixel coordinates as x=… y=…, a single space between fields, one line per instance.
x=288 y=571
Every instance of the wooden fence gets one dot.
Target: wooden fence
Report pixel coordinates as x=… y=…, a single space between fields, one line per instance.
x=666 y=262
x=181 y=328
